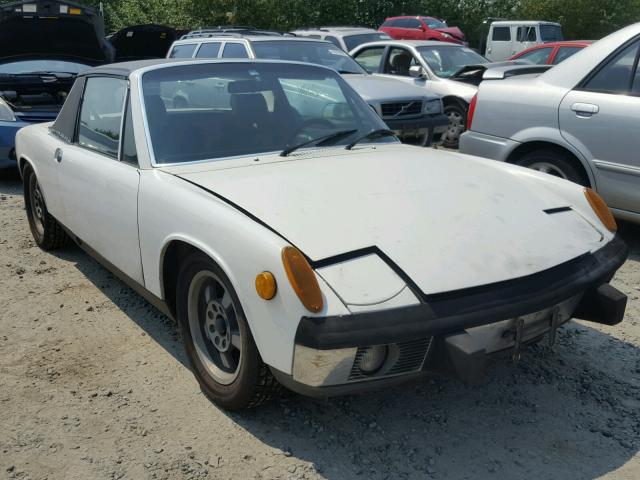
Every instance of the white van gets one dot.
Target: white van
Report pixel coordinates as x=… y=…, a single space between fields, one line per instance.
x=508 y=37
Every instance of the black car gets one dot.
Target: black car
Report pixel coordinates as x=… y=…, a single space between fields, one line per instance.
x=43 y=46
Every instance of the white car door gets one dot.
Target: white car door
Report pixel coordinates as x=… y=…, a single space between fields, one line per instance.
x=601 y=117
x=99 y=179
x=500 y=43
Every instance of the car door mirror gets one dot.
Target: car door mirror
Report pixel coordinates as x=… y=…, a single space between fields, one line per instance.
x=416 y=71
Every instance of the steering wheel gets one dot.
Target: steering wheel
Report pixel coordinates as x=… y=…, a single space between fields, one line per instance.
x=314 y=122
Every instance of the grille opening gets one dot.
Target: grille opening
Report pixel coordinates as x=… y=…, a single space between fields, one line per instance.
x=401 y=108
x=402 y=358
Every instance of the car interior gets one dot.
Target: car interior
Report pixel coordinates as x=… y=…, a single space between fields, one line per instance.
x=252 y=118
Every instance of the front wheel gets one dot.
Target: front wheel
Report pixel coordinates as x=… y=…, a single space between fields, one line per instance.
x=457 y=116
x=221 y=350
x=46 y=231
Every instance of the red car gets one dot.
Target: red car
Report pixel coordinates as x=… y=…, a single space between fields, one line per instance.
x=551 y=53
x=421 y=28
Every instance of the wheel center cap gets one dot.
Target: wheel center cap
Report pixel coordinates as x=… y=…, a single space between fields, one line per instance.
x=220 y=324
x=217 y=327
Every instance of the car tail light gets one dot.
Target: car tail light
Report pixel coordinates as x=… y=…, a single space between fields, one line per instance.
x=472 y=110
x=302 y=279
x=601 y=209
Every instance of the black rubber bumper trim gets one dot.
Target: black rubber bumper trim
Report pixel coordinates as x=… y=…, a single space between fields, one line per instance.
x=455 y=311
x=425 y=121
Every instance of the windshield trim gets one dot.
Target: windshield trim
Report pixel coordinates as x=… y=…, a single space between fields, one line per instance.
x=137 y=76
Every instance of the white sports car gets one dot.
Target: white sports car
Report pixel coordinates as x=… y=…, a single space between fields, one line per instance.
x=297 y=242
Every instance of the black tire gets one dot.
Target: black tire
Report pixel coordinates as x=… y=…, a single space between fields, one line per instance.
x=554 y=163
x=457 y=115
x=46 y=231
x=254 y=384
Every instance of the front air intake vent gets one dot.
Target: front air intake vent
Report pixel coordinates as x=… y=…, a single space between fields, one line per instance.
x=402 y=358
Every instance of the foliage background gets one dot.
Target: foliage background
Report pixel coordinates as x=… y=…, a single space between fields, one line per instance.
x=582 y=19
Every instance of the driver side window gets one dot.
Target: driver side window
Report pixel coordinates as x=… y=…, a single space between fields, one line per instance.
x=399 y=61
x=101 y=115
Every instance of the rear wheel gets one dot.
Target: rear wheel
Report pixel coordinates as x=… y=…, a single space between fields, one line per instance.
x=553 y=163
x=46 y=231
x=221 y=350
x=457 y=116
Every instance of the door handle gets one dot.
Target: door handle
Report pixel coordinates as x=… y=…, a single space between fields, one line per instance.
x=58 y=155
x=585 y=109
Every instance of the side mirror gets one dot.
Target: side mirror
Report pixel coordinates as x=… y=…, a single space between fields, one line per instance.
x=416 y=71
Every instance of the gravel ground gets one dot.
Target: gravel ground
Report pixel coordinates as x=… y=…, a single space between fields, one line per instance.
x=93 y=384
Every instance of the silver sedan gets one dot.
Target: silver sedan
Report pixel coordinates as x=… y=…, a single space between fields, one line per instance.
x=435 y=66
x=577 y=121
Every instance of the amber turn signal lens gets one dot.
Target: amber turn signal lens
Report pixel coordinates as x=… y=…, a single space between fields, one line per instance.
x=266 y=285
x=302 y=279
x=601 y=209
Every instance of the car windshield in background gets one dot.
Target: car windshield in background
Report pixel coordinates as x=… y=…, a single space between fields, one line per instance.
x=434 y=23
x=236 y=109
x=54 y=66
x=352 y=41
x=320 y=53
x=551 y=33
x=445 y=61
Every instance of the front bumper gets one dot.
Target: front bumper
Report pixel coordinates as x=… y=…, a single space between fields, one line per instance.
x=454 y=332
x=428 y=128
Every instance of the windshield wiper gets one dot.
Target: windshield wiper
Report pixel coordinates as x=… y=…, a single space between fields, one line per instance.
x=380 y=132
x=318 y=141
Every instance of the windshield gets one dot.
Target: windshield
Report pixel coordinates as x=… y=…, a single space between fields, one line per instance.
x=434 y=23
x=352 y=41
x=232 y=109
x=321 y=53
x=551 y=33
x=29 y=66
x=445 y=61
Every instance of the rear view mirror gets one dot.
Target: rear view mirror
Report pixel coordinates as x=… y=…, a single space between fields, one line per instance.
x=416 y=71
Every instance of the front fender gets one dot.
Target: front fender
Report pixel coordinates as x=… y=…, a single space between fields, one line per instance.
x=172 y=209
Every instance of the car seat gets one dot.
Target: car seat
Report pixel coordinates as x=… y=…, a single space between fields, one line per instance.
x=400 y=64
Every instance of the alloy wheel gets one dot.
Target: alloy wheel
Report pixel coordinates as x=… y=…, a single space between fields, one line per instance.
x=214 y=327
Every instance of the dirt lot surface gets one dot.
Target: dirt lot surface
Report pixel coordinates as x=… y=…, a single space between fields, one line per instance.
x=93 y=384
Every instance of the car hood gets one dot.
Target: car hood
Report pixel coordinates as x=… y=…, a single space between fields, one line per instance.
x=52 y=29
x=455 y=32
x=448 y=221
x=377 y=89
x=473 y=74
x=142 y=41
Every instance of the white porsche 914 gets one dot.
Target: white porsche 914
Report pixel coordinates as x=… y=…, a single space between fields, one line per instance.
x=297 y=242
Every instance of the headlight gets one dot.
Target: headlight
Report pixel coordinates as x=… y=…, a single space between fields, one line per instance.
x=367 y=283
x=432 y=106
x=6 y=114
